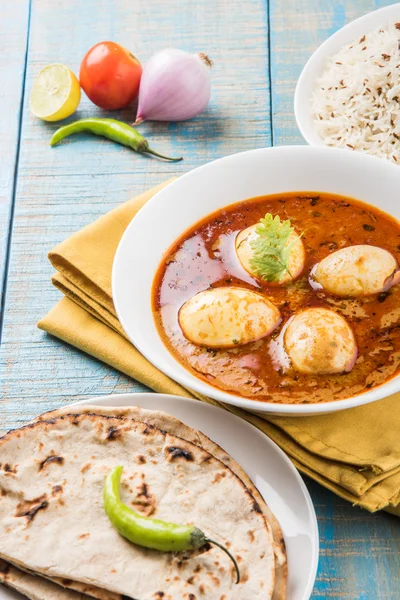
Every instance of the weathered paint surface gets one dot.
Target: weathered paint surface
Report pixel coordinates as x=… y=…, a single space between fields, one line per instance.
x=58 y=191
x=14 y=29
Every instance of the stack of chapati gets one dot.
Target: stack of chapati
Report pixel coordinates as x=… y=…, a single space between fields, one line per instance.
x=56 y=542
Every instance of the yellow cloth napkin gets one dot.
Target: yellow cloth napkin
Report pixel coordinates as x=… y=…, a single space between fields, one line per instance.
x=355 y=453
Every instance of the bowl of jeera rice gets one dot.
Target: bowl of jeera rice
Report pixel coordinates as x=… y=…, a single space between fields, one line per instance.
x=348 y=94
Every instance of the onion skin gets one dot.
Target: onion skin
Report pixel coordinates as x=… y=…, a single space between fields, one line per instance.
x=175 y=86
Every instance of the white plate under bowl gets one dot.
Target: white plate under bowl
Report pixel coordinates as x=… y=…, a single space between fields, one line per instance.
x=215 y=185
x=316 y=64
x=268 y=467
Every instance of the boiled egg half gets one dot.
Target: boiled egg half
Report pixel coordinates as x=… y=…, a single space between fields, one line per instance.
x=225 y=317
x=356 y=271
x=318 y=341
x=245 y=253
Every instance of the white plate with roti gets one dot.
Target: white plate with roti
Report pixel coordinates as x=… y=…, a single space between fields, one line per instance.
x=113 y=429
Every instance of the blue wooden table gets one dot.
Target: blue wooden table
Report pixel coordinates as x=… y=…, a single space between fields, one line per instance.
x=258 y=48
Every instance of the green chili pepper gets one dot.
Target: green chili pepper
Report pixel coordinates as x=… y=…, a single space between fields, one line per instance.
x=151 y=533
x=117 y=131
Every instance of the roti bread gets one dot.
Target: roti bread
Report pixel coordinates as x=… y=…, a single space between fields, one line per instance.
x=173 y=425
x=35 y=588
x=51 y=495
x=84 y=589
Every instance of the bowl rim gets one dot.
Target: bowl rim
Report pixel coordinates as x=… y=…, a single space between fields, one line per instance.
x=312 y=69
x=192 y=383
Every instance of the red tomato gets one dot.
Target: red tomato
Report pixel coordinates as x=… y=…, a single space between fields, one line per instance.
x=110 y=75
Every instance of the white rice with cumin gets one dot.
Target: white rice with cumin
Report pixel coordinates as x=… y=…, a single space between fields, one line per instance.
x=357 y=101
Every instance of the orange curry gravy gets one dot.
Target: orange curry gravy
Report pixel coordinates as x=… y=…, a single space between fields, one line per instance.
x=205 y=257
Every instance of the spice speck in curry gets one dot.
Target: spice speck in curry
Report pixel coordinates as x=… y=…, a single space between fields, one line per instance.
x=287 y=299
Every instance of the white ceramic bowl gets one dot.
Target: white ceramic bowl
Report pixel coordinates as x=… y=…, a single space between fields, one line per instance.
x=316 y=64
x=215 y=185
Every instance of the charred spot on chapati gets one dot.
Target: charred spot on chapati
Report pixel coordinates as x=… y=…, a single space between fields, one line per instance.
x=148 y=429
x=144 y=490
x=145 y=501
x=110 y=429
x=59 y=460
x=176 y=452
x=29 y=508
x=206 y=459
x=9 y=469
x=256 y=506
x=56 y=489
x=216 y=580
x=244 y=575
x=113 y=433
x=141 y=459
x=219 y=476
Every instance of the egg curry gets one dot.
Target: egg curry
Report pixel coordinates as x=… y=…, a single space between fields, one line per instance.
x=287 y=299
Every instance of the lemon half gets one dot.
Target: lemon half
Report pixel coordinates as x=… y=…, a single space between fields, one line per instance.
x=56 y=93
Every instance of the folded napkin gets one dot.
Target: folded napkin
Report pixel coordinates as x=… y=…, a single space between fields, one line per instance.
x=354 y=453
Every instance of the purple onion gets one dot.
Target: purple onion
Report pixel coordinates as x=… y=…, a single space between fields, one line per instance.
x=175 y=86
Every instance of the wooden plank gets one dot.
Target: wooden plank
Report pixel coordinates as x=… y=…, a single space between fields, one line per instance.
x=14 y=23
x=62 y=189
x=359 y=552
x=359 y=556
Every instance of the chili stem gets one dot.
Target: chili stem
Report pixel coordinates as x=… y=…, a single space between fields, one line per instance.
x=148 y=151
x=230 y=556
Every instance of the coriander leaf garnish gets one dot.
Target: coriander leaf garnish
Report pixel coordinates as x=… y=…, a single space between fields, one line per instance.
x=271 y=250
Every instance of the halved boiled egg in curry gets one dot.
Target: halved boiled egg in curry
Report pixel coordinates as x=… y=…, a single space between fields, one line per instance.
x=291 y=298
x=319 y=341
x=246 y=254
x=226 y=317
x=356 y=271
